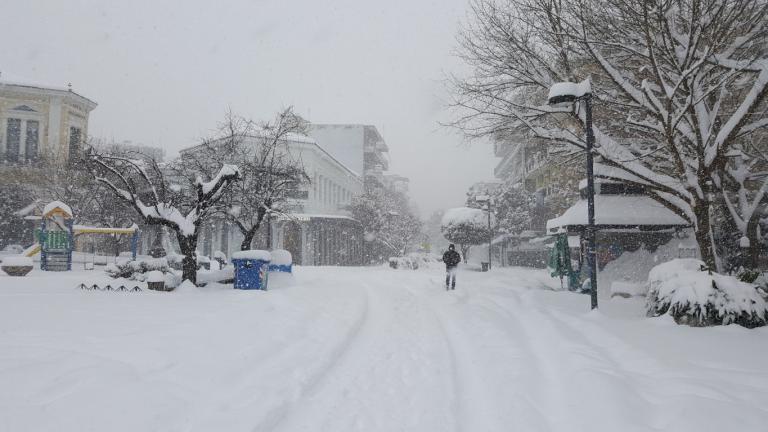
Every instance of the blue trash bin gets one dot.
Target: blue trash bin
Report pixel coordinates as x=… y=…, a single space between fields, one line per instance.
x=251 y=269
x=281 y=261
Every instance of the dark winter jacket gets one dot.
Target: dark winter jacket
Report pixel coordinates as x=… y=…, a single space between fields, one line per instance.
x=451 y=258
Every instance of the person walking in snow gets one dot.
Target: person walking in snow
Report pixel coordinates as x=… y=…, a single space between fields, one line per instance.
x=451 y=258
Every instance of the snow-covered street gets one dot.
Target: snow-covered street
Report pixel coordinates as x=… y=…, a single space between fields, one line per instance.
x=346 y=349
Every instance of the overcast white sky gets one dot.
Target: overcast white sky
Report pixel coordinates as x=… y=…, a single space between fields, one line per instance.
x=164 y=72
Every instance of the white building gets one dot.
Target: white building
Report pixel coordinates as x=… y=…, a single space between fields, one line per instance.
x=359 y=147
x=397 y=183
x=318 y=229
x=39 y=121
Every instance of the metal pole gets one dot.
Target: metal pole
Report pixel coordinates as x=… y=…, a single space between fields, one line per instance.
x=490 y=234
x=591 y=204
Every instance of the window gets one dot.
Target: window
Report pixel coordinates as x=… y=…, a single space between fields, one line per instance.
x=31 y=142
x=75 y=136
x=13 y=140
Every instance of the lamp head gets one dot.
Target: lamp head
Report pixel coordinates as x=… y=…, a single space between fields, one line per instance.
x=565 y=92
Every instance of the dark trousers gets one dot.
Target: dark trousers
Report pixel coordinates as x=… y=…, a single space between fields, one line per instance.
x=450 y=277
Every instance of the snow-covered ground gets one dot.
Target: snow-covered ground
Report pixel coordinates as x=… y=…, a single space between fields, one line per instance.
x=351 y=349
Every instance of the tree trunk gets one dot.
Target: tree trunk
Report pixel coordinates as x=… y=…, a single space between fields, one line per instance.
x=703 y=230
x=188 y=246
x=247 y=240
x=750 y=261
x=251 y=233
x=464 y=252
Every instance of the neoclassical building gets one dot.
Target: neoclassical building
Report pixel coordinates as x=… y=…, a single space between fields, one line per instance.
x=41 y=122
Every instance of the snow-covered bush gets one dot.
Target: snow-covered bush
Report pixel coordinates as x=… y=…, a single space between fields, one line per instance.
x=685 y=290
x=135 y=270
x=403 y=263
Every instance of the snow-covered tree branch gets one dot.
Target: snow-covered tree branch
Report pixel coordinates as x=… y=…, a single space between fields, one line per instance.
x=160 y=196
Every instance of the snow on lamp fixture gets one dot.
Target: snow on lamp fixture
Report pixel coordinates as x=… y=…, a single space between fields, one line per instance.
x=565 y=92
x=569 y=92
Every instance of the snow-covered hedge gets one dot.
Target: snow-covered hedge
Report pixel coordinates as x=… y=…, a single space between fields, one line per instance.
x=136 y=270
x=697 y=297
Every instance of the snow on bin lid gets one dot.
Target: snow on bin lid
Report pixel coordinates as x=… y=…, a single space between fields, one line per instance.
x=253 y=254
x=568 y=89
x=53 y=205
x=17 y=261
x=155 y=276
x=281 y=257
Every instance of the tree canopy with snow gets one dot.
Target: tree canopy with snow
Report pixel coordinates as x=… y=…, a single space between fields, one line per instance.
x=390 y=224
x=466 y=227
x=677 y=87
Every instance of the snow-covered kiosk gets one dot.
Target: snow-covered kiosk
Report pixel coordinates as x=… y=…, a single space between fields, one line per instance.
x=626 y=219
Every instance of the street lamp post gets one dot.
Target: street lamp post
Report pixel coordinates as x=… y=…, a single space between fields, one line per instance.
x=487 y=199
x=574 y=92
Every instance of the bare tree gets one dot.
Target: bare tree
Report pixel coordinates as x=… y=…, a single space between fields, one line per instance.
x=271 y=175
x=172 y=196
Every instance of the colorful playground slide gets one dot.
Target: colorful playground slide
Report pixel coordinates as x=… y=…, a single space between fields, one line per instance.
x=32 y=250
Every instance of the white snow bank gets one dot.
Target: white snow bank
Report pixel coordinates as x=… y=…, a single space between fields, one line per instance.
x=281 y=257
x=208 y=276
x=155 y=276
x=17 y=261
x=253 y=254
x=627 y=275
x=697 y=297
x=53 y=204
x=465 y=215
x=341 y=340
x=187 y=287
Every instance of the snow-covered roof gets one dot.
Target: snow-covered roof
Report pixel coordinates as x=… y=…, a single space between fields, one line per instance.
x=306 y=217
x=53 y=205
x=623 y=210
x=31 y=85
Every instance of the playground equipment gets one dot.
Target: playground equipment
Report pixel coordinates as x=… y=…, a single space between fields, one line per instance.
x=56 y=237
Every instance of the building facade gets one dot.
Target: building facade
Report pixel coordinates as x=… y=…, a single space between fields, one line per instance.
x=41 y=122
x=315 y=227
x=359 y=147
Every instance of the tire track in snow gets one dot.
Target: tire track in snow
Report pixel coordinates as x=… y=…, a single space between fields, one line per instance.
x=538 y=378
x=493 y=362
x=652 y=383
x=277 y=415
x=392 y=376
